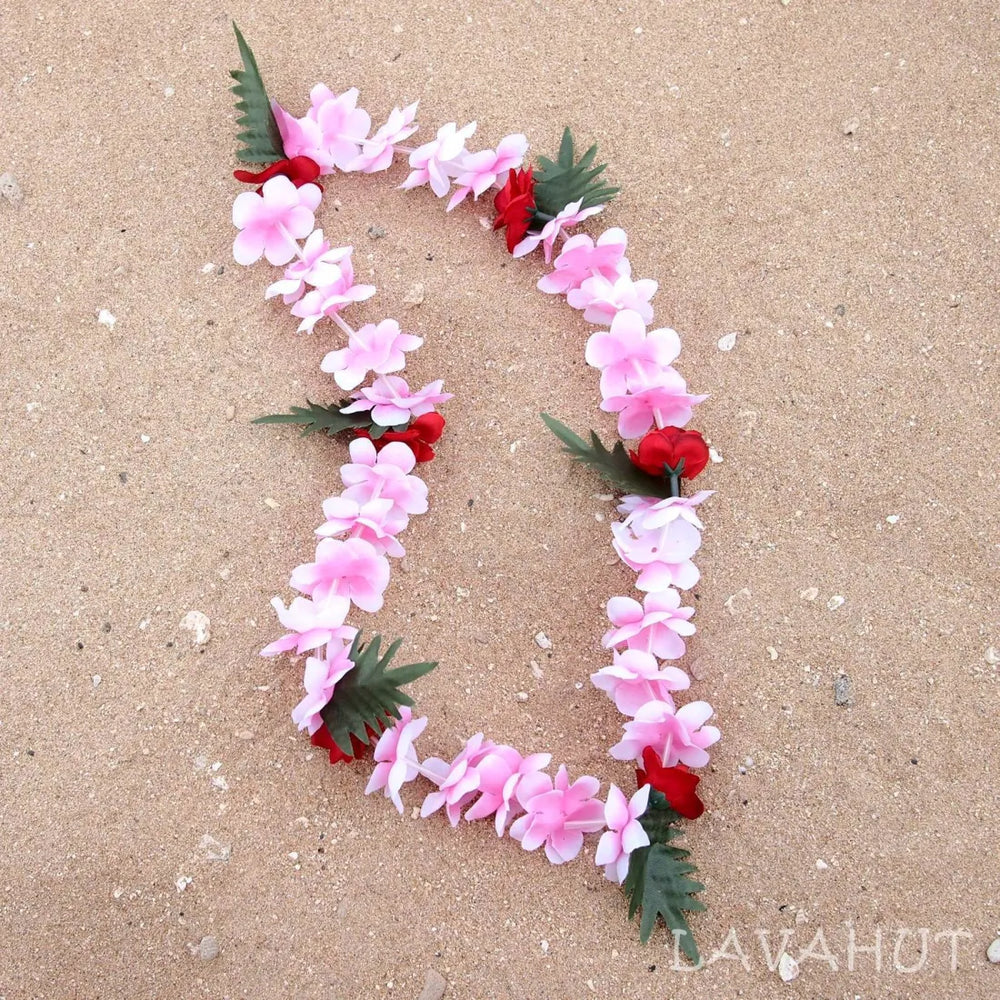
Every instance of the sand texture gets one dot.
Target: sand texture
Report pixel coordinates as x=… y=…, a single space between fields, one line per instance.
x=819 y=178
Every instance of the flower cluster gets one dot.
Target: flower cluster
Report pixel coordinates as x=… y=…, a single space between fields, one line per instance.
x=656 y=538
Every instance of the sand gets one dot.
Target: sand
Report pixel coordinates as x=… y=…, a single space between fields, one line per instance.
x=819 y=178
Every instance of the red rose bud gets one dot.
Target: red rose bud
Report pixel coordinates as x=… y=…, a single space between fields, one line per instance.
x=419 y=436
x=666 y=446
x=299 y=170
x=677 y=784
x=515 y=204
x=322 y=739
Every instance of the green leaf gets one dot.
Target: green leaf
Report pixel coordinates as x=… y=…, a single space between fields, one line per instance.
x=315 y=418
x=369 y=695
x=657 y=881
x=260 y=136
x=614 y=466
x=566 y=180
x=658 y=820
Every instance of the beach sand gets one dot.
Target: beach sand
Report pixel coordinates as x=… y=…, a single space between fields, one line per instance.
x=818 y=178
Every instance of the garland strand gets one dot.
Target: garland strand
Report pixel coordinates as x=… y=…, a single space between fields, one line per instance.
x=353 y=702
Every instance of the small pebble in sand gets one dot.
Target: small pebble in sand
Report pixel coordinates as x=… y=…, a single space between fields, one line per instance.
x=521 y=696
x=788 y=968
x=208 y=948
x=106 y=318
x=809 y=594
x=415 y=295
x=737 y=602
x=434 y=986
x=835 y=602
x=183 y=882
x=214 y=849
x=375 y=231
x=842 y=694
x=230 y=412
x=96 y=680
x=10 y=190
x=728 y=342
x=543 y=641
x=199 y=625
x=821 y=865
x=850 y=126
x=536 y=670
x=993 y=952
x=715 y=457
x=893 y=518
x=992 y=656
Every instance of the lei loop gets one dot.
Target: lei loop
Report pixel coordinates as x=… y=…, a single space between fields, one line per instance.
x=354 y=704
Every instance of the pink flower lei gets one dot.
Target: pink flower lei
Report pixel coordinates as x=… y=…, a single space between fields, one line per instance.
x=396 y=423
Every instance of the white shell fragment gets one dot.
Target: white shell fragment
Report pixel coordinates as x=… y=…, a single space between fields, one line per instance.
x=199 y=625
x=788 y=968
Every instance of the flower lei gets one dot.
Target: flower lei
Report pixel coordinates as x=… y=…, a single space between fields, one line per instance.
x=353 y=702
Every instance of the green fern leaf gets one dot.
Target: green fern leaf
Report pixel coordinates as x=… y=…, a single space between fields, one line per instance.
x=658 y=882
x=314 y=417
x=614 y=466
x=565 y=180
x=260 y=136
x=369 y=695
x=659 y=821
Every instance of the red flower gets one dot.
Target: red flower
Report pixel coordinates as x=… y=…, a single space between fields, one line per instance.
x=515 y=205
x=420 y=435
x=667 y=446
x=677 y=783
x=299 y=170
x=322 y=738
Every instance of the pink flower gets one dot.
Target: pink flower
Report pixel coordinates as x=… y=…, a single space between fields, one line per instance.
x=373 y=348
x=344 y=126
x=557 y=816
x=666 y=403
x=601 y=298
x=679 y=736
x=624 y=834
x=658 y=538
x=439 y=160
x=396 y=757
x=330 y=299
x=656 y=625
x=635 y=678
x=391 y=402
x=571 y=215
x=631 y=359
x=320 y=679
x=376 y=521
x=372 y=475
x=317 y=265
x=299 y=136
x=350 y=569
x=309 y=625
x=332 y=131
x=271 y=222
x=458 y=781
x=500 y=773
x=377 y=152
x=581 y=258
x=480 y=171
